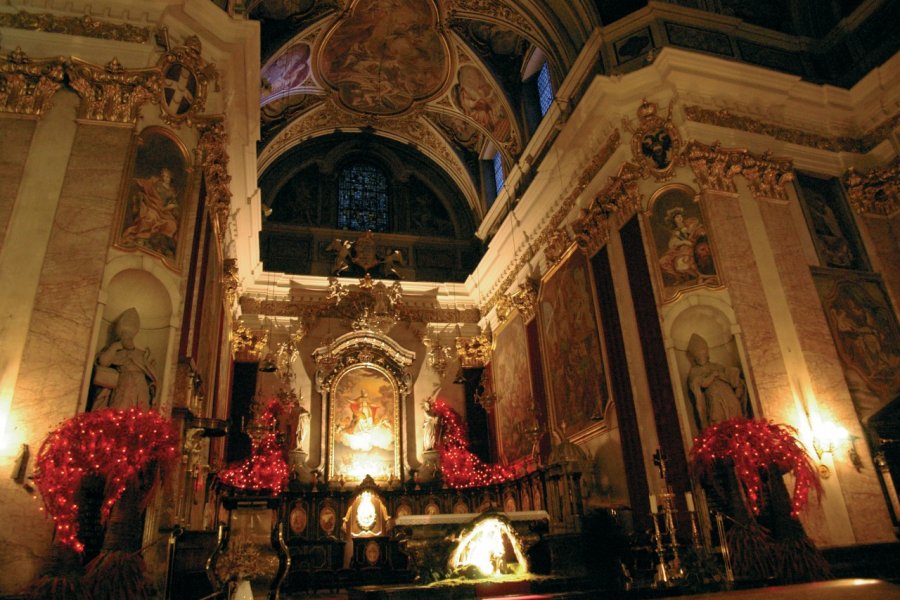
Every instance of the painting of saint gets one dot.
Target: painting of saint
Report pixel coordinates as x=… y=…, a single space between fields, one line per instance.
x=864 y=329
x=830 y=223
x=155 y=195
x=571 y=344
x=682 y=245
x=512 y=386
x=384 y=56
x=363 y=425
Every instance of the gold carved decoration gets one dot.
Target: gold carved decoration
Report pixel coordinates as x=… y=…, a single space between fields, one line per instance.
x=112 y=93
x=655 y=143
x=600 y=157
x=214 y=161
x=366 y=347
x=185 y=77
x=557 y=244
x=230 y=281
x=525 y=300
x=247 y=343
x=715 y=168
x=27 y=86
x=503 y=307
x=859 y=145
x=620 y=199
x=474 y=352
x=875 y=193
x=85 y=26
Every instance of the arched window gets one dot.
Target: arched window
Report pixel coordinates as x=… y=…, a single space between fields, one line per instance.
x=363 y=198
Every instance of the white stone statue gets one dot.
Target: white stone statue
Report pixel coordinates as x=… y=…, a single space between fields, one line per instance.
x=302 y=427
x=717 y=391
x=431 y=425
x=134 y=383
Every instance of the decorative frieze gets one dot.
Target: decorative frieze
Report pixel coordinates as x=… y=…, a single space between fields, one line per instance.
x=112 y=93
x=214 y=162
x=27 y=86
x=85 y=26
x=874 y=193
x=715 y=168
x=860 y=145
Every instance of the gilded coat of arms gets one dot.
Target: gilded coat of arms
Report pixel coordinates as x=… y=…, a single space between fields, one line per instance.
x=655 y=143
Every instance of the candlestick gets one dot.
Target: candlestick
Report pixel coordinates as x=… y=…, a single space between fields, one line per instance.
x=653 y=506
x=689 y=500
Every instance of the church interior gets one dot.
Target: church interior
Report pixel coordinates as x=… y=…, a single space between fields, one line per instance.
x=447 y=298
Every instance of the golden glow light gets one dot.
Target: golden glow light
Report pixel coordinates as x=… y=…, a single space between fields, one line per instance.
x=362 y=465
x=365 y=512
x=486 y=547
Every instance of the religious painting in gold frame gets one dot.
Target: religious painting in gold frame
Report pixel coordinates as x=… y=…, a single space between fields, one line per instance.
x=364 y=424
x=512 y=388
x=155 y=195
x=572 y=349
x=681 y=248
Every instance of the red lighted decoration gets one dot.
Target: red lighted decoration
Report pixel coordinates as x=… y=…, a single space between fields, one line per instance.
x=118 y=445
x=459 y=467
x=753 y=445
x=265 y=469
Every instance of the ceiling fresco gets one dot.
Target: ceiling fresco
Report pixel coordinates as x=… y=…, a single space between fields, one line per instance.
x=444 y=77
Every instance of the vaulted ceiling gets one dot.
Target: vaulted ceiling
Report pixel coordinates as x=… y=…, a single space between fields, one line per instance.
x=446 y=78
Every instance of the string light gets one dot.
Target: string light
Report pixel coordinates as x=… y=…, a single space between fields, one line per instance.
x=459 y=467
x=265 y=469
x=753 y=445
x=120 y=446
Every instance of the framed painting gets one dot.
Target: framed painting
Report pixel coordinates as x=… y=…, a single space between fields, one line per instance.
x=155 y=196
x=865 y=331
x=512 y=387
x=681 y=248
x=830 y=223
x=572 y=349
x=364 y=425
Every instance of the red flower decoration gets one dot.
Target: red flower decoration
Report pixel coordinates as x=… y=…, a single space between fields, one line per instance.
x=117 y=445
x=753 y=445
x=459 y=467
x=265 y=469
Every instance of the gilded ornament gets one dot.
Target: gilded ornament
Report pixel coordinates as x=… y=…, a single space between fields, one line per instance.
x=557 y=244
x=112 y=93
x=655 y=142
x=27 y=86
x=85 y=26
x=474 y=352
x=185 y=77
x=525 y=300
x=247 y=342
x=618 y=200
x=874 y=193
x=230 y=281
x=715 y=168
x=214 y=162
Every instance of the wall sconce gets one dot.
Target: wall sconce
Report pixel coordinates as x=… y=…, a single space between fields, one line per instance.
x=827 y=436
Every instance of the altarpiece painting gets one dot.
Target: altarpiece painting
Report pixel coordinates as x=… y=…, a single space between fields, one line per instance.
x=364 y=424
x=155 y=195
x=681 y=246
x=574 y=355
x=512 y=387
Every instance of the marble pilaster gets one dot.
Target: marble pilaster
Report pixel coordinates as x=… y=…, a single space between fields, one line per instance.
x=16 y=133
x=860 y=489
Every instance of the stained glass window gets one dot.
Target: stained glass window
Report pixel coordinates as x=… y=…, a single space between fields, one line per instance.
x=363 y=198
x=499 y=177
x=545 y=88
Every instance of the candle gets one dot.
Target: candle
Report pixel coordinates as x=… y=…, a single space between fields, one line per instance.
x=689 y=499
x=653 y=507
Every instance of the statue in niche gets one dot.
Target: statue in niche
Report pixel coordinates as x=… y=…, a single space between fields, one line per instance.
x=431 y=427
x=302 y=426
x=125 y=373
x=716 y=391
